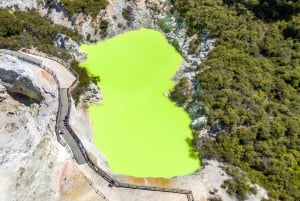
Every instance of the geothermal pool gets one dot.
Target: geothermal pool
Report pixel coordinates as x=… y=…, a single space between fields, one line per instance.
x=140 y=130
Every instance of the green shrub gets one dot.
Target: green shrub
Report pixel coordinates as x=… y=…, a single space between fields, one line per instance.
x=103 y=27
x=28 y=29
x=84 y=80
x=178 y=94
x=250 y=83
x=240 y=185
x=91 y=7
x=164 y=25
x=127 y=13
x=175 y=44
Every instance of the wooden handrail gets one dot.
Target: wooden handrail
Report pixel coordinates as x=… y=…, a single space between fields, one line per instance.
x=98 y=170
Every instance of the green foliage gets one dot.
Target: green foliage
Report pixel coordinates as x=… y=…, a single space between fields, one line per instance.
x=268 y=10
x=178 y=94
x=174 y=43
x=103 y=24
x=127 y=13
x=103 y=27
x=28 y=29
x=293 y=28
x=240 y=185
x=91 y=7
x=164 y=25
x=276 y=9
x=251 y=83
x=194 y=44
x=84 y=80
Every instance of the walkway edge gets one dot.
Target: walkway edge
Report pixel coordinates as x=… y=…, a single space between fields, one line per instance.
x=98 y=170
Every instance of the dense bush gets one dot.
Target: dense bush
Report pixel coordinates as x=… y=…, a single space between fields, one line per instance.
x=28 y=29
x=179 y=93
x=84 y=80
x=175 y=44
x=251 y=83
x=91 y=7
x=269 y=10
x=240 y=185
x=293 y=28
x=276 y=9
x=127 y=13
x=164 y=25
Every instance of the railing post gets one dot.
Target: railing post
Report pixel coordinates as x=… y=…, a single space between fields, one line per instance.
x=98 y=170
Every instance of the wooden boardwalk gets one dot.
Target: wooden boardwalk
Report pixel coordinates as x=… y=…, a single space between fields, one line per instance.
x=70 y=136
x=64 y=111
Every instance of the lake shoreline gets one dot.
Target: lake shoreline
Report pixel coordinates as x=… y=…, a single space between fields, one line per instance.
x=134 y=105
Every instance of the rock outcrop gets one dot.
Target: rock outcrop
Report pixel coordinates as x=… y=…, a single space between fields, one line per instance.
x=20 y=4
x=33 y=165
x=24 y=80
x=63 y=41
x=27 y=153
x=92 y=95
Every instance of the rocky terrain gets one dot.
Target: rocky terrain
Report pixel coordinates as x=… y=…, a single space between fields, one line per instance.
x=153 y=14
x=33 y=164
x=29 y=156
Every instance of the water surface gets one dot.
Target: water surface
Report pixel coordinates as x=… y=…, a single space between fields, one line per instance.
x=141 y=131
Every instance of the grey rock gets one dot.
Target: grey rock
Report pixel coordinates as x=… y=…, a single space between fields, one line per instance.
x=22 y=79
x=3 y=93
x=21 y=4
x=195 y=109
x=92 y=95
x=8 y=75
x=199 y=122
x=71 y=46
x=24 y=85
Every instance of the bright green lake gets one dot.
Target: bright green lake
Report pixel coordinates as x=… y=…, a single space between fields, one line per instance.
x=141 y=131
